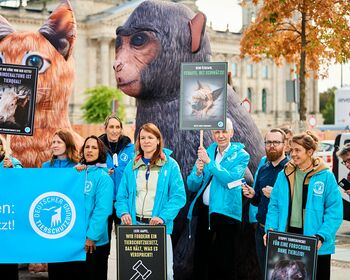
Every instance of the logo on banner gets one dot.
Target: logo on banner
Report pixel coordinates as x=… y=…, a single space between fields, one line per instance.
x=52 y=215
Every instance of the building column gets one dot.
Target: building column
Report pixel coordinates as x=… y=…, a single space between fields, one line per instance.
x=105 y=61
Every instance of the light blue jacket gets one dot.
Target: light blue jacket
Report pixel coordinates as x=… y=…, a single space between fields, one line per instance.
x=170 y=194
x=253 y=210
x=231 y=168
x=324 y=208
x=16 y=163
x=98 y=203
x=124 y=157
x=59 y=163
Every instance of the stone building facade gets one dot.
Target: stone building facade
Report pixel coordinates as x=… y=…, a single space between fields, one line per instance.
x=263 y=84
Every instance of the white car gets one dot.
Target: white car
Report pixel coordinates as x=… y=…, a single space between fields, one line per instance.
x=325 y=151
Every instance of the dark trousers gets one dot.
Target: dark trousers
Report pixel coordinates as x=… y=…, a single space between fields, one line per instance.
x=216 y=250
x=260 y=248
x=9 y=271
x=112 y=219
x=323 y=267
x=66 y=270
x=97 y=263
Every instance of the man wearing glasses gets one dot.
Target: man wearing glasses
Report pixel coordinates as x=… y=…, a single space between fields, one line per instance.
x=275 y=145
x=344 y=154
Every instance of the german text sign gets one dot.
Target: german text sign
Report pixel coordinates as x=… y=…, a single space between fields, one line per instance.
x=291 y=254
x=203 y=95
x=141 y=252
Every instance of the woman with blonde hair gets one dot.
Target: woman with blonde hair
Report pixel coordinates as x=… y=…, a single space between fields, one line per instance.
x=152 y=189
x=306 y=200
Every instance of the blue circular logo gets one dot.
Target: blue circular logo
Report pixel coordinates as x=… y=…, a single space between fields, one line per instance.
x=220 y=124
x=124 y=157
x=27 y=129
x=52 y=215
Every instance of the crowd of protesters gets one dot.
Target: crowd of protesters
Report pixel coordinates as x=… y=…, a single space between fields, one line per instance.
x=294 y=191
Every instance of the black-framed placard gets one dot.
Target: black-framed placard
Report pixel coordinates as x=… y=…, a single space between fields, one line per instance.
x=141 y=252
x=290 y=254
x=203 y=95
x=18 y=86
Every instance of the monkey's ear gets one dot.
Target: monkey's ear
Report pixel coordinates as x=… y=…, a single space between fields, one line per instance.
x=5 y=28
x=60 y=29
x=197 y=28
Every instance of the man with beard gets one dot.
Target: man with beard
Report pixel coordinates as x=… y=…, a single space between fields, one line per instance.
x=275 y=143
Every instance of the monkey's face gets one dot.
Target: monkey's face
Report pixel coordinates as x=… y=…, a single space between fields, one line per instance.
x=133 y=54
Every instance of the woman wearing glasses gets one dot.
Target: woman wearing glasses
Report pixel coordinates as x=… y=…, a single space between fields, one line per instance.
x=306 y=200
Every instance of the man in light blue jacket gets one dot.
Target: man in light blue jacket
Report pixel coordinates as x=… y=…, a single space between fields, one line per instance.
x=218 y=205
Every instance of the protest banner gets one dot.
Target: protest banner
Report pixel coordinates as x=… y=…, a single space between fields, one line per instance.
x=42 y=215
x=18 y=86
x=294 y=253
x=141 y=252
x=203 y=95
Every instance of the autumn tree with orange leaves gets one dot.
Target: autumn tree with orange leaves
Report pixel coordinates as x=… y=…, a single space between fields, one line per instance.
x=306 y=33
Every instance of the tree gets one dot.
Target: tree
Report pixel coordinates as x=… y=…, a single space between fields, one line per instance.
x=327 y=105
x=307 y=33
x=99 y=103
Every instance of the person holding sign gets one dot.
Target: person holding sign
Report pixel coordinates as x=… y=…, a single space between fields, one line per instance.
x=306 y=200
x=152 y=189
x=98 y=207
x=6 y=161
x=64 y=155
x=120 y=152
x=274 y=162
x=344 y=155
x=8 y=271
x=217 y=179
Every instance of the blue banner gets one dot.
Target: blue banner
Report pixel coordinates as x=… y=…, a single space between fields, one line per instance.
x=42 y=215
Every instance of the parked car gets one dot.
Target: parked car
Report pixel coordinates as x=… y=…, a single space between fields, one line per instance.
x=325 y=151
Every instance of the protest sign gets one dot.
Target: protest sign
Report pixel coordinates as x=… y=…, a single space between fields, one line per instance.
x=42 y=215
x=141 y=252
x=203 y=95
x=294 y=253
x=18 y=86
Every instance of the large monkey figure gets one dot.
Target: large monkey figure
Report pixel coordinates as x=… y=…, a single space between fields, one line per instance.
x=150 y=47
x=50 y=50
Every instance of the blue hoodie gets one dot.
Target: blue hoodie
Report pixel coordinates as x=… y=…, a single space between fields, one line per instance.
x=222 y=200
x=98 y=203
x=16 y=163
x=124 y=157
x=324 y=207
x=59 y=163
x=170 y=194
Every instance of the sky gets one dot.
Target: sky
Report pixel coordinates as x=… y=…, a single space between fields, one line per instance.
x=223 y=12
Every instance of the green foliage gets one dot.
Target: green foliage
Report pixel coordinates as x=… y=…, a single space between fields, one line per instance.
x=99 y=103
x=327 y=105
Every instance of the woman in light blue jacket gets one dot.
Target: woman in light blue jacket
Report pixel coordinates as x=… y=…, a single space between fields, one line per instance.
x=98 y=207
x=306 y=200
x=8 y=271
x=152 y=189
x=64 y=155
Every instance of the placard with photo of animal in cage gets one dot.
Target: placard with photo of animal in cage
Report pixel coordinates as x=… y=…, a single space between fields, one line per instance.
x=18 y=85
x=290 y=256
x=203 y=95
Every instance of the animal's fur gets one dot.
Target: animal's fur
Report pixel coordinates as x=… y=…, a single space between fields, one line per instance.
x=54 y=42
x=158 y=101
x=10 y=98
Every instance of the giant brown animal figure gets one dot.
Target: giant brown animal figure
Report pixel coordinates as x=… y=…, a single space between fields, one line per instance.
x=50 y=49
x=150 y=47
